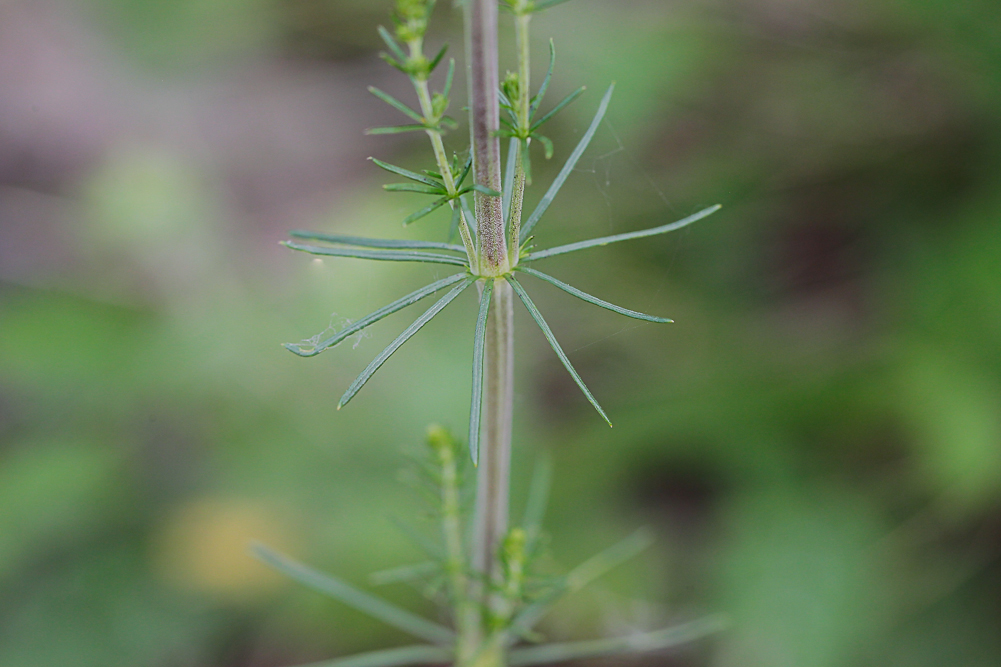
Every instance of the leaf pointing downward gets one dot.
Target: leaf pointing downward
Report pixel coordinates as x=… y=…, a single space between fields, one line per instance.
x=537 y=316
x=400 y=340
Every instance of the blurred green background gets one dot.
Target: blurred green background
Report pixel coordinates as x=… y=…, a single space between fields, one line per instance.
x=816 y=440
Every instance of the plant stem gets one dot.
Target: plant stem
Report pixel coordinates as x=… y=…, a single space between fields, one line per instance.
x=481 y=49
x=455 y=565
x=494 y=470
x=521 y=27
x=438 y=146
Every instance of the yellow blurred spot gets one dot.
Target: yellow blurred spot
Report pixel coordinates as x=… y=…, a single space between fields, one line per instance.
x=204 y=546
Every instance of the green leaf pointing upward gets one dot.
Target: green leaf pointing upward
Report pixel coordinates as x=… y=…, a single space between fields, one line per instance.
x=605 y=240
x=569 y=166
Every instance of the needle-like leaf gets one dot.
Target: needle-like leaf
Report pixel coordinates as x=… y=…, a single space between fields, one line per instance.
x=344 y=239
x=381 y=255
x=448 y=78
x=479 y=343
x=414 y=187
x=538 y=498
x=512 y=159
x=482 y=189
x=592 y=299
x=428 y=546
x=559 y=107
x=571 y=162
x=396 y=104
x=453 y=227
x=547 y=145
x=537 y=316
x=360 y=600
x=374 y=317
x=406 y=173
x=400 y=340
x=537 y=100
x=405 y=573
x=391 y=44
x=468 y=212
x=437 y=58
x=427 y=210
x=635 y=643
x=393 y=657
x=396 y=129
x=591 y=569
x=546 y=4
x=605 y=240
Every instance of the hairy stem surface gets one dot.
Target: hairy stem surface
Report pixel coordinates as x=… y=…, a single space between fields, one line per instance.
x=481 y=48
x=495 y=459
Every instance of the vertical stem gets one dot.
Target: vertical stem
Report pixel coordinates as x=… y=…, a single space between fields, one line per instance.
x=522 y=105
x=481 y=48
x=495 y=460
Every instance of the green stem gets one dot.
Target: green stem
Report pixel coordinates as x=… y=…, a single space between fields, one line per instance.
x=521 y=31
x=441 y=158
x=455 y=564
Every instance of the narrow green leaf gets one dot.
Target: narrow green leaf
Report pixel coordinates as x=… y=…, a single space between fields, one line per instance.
x=569 y=166
x=414 y=187
x=592 y=299
x=537 y=316
x=406 y=173
x=465 y=171
x=393 y=63
x=546 y=4
x=537 y=100
x=437 y=58
x=395 y=129
x=400 y=340
x=396 y=104
x=485 y=190
x=374 y=317
x=559 y=107
x=343 y=239
x=470 y=218
x=427 y=210
x=605 y=240
x=502 y=96
x=453 y=227
x=591 y=569
x=479 y=344
x=391 y=44
x=380 y=255
x=547 y=145
x=351 y=596
x=429 y=547
x=635 y=643
x=538 y=498
x=393 y=657
x=449 y=122
x=526 y=160
x=512 y=159
x=448 y=78
x=404 y=573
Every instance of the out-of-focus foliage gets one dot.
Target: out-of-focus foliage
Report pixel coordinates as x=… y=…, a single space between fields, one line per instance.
x=817 y=440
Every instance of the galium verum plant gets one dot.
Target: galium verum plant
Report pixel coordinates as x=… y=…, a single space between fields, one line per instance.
x=493 y=598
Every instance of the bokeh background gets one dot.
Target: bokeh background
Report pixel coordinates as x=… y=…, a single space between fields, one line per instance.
x=816 y=441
